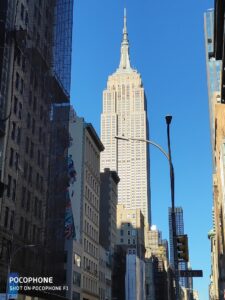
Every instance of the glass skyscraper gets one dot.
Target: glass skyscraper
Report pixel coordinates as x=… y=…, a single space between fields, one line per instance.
x=179 y=231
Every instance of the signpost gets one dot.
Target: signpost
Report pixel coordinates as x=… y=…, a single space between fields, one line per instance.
x=191 y=273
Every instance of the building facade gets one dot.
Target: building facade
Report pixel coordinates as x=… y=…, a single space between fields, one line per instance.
x=214 y=41
x=108 y=203
x=125 y=114
x=85 y=201
x=29 y=86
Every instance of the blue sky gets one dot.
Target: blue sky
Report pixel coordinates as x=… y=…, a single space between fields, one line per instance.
x=167 y=48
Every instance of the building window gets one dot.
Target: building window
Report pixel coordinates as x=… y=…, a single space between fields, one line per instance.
x=9 y=185
x=77 y=260
x=6 y=217
x=76 y=296
x=28 y=200
x=21 y=226
x=23 y=197
x=18 y=137
x=17 y=80
x=12 y=220
x=14 y=190
x=11 y=158
x=76 y=278
x=13 y=132
x=15 y=105
x=128 y=241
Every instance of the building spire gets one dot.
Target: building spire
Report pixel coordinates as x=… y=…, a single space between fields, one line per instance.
x=124 y=56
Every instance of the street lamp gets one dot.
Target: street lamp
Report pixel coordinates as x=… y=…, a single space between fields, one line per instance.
x=9 y=266
x=169 y=158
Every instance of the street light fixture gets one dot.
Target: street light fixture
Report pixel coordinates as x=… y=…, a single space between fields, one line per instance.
x=169 y=158
x=11 y=257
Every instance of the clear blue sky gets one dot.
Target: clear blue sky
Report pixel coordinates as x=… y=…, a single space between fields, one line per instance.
x=167 y=48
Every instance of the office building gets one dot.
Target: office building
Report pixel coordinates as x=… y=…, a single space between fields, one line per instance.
x=125 y=114
x=108 y=203
x=214 y=37
x=130 y=230
x=31 y=83
x=159 y=278
x=85 y=201
x=179 y=231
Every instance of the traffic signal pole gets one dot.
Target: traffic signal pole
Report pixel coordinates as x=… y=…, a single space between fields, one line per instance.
x=172 y=185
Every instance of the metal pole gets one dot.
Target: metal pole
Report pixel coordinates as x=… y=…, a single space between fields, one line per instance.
x=175 y=257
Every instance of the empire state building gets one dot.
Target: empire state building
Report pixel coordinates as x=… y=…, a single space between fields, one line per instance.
x=125 y=114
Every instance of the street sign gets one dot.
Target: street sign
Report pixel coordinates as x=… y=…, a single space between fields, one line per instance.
x=191 y=273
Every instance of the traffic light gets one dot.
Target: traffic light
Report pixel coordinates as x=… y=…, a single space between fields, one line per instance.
x=182 y=248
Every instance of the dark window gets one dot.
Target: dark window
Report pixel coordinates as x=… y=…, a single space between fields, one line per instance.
x=34 y=233
x=18 y=56
x=17 y=161
x=11 y=158
x=28 y=120
x=30 y=98
x=20 y=111
x=40 y=134
x=26 y=19
x=22 y=11
x=23 y=63
x=31 y=150
x=9 y=185
x=37 y=181
x=30 y=175
x=23 y=196
x=39 y=157
x=15 y=105
x=6 y=217
x=27 y=142
x=35 y=207
x=17 y=80
x=28 y=200
x=21 y=86
x=12 y=220
x=26 y=229
x=18 y=138
x=13 y=132
x=25 y=169
x=35 y=104
x=33 y=126
x=14 y=190
x=21 y=225
x=39 y=209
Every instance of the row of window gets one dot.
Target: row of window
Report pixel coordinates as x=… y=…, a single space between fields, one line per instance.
x=91 y=198
x=89 y=230
x=28 y=175
x=90 y=266
x=28 y=231
x=90 y=248
x=9 y=218
x=91 y=214
x=92 y=182
x=90 y=284
x=28 y=205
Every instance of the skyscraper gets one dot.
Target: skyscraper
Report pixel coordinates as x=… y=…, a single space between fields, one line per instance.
x=125 y=114
x=179 y=231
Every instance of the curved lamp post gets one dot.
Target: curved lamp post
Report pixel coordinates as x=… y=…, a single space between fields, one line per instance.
x=169 y=158
x=11 y=257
